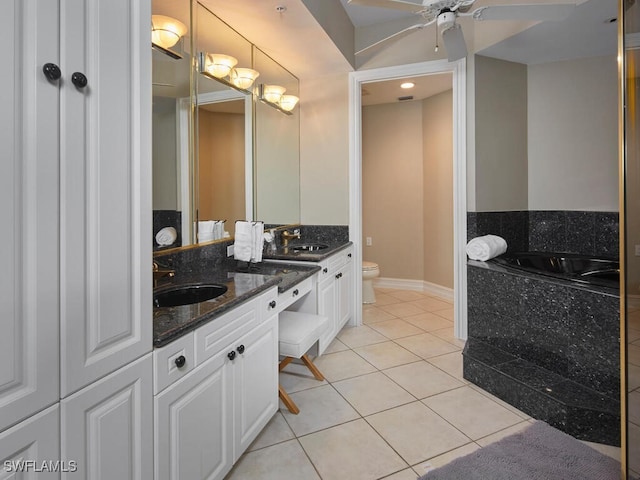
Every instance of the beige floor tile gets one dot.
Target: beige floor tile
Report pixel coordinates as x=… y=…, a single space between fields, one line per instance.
x=351 y=451
x=447 y=335
x=296 y=377
x=633 y=335
x=320 y=408
x=389 y=290
x=395 y=328
x=428 y=321
x=402 y=309
x=446 y=313
x=633 y=377
x=407 y=295
x=471 y=412
x=374 y=314
x=422 y=379
x=450 y=363
x=336 y=346
x=441 y=460
x=634 y=445
x=633 y=354
x=358 y=336
x=416 y=432
x=426 y=345
x=372 y=393
x=633 y=402
x=385 y=299
x=500 y=402
x=341 y=365
x=494 y=437
x=633 y=320
x=285 y=460
x=276 y=431
x=430 y=304
x=408 y=474
x=386 y=355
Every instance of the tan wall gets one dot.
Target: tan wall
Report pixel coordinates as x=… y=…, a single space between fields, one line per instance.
x=392 y=190
x=221 y=164
x=437 y=138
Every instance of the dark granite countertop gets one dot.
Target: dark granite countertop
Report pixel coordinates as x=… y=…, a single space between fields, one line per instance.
x=496 y=267
x=242 y=282
x=283 y=253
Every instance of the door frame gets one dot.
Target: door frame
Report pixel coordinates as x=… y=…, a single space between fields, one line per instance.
x=356 y=80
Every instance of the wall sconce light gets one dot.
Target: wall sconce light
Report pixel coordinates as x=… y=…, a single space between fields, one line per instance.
x=273 y=93
x=243 y=77
x=220 y=65
x=288 y=102
x=166 y=31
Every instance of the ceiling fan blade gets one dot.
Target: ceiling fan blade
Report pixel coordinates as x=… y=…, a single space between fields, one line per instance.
x=454 y=43
x=395 y=4
x=380 y=44
x=540 y=12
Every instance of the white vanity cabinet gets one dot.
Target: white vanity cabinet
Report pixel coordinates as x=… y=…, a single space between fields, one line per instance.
x=75 y=121
x=208 y=417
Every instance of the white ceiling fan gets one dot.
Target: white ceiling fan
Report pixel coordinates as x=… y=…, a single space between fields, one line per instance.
x=443 y=13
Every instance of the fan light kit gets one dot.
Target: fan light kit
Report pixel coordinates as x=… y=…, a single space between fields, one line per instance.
x=444 y=13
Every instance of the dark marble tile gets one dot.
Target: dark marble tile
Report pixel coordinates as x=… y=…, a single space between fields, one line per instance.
x=607 y=234
x=167 y=218
x=472 y=227
x=324 y=233
x=485 y=353
x=580 y=231
x=488 y=223
x=514 y=228
x=547 y=231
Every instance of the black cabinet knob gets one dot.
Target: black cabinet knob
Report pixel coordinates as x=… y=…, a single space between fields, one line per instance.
x=296 y=292
x=337 y=276
x=240 y=349
x=79 y=79
x=349 y=255
x=272 y=304
x=180 y=361
x=51 y=71
x=231 y=355
x=325 y=270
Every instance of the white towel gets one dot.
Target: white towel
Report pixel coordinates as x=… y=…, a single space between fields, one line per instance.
x=166 y=236
x=243 y=243
x=258 y=242
x=487 y=247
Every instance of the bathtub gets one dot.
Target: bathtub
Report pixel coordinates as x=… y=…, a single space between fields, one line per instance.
x=603 y=272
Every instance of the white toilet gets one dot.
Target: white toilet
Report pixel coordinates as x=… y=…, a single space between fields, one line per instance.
x=370 y=270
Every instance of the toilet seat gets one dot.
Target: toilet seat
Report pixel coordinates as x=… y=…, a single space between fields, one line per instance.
x=366 y=266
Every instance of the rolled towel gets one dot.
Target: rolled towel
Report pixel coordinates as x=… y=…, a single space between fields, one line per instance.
x=486 y=247
x=166 y=236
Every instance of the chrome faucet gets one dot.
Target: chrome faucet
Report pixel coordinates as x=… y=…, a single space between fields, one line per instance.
x=286 y=236
x=158 y=273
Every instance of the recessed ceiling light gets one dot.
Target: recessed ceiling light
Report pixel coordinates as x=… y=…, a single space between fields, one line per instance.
x=407 y=85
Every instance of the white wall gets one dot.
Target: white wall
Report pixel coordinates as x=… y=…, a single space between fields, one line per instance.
x=573 y=135
x=165 y=176
x=324 y=150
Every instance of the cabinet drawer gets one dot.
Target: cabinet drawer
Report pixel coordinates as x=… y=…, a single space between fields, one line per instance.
x=268 y=303
x=223 y=331
x=294 y=293
x=173 y=361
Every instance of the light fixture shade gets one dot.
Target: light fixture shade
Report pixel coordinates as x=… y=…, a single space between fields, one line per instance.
x=220 y=65
x=272 y=93
x=166 y=31
x=243 y=77
x=288 y=102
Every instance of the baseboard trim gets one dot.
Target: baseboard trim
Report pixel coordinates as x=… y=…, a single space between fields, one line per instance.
x=415 y=285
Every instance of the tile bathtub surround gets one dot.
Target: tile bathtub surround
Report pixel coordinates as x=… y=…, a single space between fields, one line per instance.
x=582 y=232
x=527 y=324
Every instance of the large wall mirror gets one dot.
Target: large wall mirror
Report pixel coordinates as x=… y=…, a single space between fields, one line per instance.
x=226 y=133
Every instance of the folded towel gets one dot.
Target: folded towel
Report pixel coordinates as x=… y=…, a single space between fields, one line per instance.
x=166 y=236
x=243 y=243
x=486 y=247
x=258 y=242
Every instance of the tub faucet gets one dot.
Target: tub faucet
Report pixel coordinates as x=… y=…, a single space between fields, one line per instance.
x=158 y=273
x=286 y=236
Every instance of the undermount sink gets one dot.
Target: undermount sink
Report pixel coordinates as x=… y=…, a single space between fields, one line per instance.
x=308 y=247
x=187 y=295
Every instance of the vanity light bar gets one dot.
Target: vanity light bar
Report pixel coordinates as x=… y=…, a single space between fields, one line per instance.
x=261 y=97
x=202 y=68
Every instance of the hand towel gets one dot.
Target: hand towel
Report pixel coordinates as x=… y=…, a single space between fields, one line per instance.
x=258 y=242
x=243 y=244
x=166 y=236
x=486 y=247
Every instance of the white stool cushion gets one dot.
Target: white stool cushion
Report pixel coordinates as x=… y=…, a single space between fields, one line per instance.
x=299 y=331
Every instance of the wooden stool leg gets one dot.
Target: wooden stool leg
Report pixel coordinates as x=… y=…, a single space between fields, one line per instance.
x=316 y=373
x=285 y=361
x=286 y=399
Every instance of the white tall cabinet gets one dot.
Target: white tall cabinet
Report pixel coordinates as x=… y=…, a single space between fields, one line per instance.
x=75 y=322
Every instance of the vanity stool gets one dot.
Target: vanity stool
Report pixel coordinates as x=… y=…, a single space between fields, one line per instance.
x=297 y=333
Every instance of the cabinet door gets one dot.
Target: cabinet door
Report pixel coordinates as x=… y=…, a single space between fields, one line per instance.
x=193 y=424
x=345 y=295
x=327 y=296
x=32 y=446
x=107 y=427
x=29 y=119
x=105 y=188
x=255 y=373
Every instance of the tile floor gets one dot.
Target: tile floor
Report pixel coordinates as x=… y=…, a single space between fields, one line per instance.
x=393 y=406
x=633 y=387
